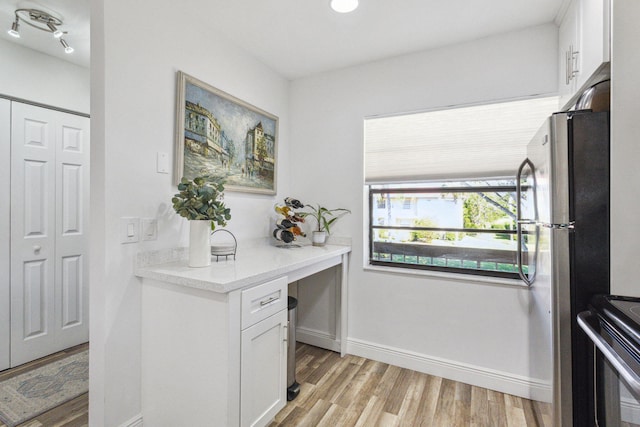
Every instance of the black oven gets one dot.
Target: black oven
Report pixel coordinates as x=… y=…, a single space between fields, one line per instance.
x=612 y=323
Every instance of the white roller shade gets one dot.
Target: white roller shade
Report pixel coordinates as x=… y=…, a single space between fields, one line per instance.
x=458 y=143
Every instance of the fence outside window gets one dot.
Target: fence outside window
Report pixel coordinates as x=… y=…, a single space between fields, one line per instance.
x=466 y=227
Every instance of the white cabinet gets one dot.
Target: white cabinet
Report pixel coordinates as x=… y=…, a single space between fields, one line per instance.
x=263 y=370
x=213 y=338
x=568 y=51
x=263 y=362
x=584 y=48
x=210 y=356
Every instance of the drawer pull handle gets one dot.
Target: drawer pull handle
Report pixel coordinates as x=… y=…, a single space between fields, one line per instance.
x=268 y=301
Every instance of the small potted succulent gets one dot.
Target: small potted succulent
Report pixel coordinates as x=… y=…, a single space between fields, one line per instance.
x=200 y=201
x=324 y=219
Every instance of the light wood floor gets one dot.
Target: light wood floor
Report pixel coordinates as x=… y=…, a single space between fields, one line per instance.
x=352 y=391
x=74 y=413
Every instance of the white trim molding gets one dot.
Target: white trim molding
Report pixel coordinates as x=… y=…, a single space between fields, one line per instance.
x=133 y=422
x=492 y=379
x=317 y=338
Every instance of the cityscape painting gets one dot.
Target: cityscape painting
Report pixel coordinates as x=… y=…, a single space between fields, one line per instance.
x=220 y=135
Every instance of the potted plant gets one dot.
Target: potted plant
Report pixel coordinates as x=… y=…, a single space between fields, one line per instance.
x=200 y=201
x=324 y=219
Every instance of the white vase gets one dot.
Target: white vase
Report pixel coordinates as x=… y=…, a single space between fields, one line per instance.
x=199 y=246
x=319 y=238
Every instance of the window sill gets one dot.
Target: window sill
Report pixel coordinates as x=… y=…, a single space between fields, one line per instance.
x=468 y=278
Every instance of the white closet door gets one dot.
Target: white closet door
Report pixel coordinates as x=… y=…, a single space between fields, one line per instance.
x=49 y=183
x=72 y=224
x=5 y=164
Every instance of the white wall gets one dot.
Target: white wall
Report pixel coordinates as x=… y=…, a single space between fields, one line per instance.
x=34 y=76
x=133 y=114
x=625 y=148
x=465 y=323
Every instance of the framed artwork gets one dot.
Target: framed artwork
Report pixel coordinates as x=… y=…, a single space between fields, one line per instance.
x=220 y=135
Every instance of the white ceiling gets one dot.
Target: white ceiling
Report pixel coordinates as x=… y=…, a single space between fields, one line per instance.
x=303 y=37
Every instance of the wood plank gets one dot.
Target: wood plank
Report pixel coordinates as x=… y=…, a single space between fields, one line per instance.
x=429 y=402
x=444 y=415
x=479 y=407
x=333 y=416
x=398 y=393
x=355 y=395
x=371 y=412
x=462 y=404
x=410 y=406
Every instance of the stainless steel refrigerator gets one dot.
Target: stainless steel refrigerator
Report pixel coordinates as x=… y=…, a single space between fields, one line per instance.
x=563 y=242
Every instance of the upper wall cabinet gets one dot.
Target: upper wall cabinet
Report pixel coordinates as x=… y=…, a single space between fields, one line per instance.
x=584 y=39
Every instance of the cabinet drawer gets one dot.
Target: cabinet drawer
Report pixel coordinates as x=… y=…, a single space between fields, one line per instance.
x=262 y=301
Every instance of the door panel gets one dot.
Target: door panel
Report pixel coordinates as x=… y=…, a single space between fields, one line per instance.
x=49 y=173
x=263 y=375
x=5 y=167
x=72 y=223
x=36 y=204
x=538 y=206
x=32 y=240
x=71 y=199
x=72 y=307
x=35 y=289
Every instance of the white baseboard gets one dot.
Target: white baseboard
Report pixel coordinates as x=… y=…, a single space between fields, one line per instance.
x=133 y=422
x=504 y=382
x=317 y=338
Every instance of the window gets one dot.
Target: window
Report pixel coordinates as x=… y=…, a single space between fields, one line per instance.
x=441 y=186
x=465 y=227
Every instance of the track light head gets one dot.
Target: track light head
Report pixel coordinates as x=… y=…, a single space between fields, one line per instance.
x=56 y=32
x=67 y=48
x=14 y=31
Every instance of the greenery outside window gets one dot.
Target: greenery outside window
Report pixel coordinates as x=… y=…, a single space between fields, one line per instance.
x=463 y=227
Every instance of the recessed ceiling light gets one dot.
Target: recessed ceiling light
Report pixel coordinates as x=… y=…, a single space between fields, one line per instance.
x=344 y=6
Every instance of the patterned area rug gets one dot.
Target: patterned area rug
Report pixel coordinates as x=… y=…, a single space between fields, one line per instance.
x=30 y=394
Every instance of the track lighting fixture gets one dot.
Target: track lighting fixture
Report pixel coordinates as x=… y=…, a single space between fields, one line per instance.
x=42 y=21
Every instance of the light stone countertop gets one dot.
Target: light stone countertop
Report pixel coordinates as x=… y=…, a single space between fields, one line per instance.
x=256 y=261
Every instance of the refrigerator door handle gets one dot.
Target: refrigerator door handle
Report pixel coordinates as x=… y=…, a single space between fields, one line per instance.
x=520 y=221
x=568 y=226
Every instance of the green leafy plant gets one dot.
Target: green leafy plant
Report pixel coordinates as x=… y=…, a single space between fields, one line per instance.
x=324 y=217
x=201 y=199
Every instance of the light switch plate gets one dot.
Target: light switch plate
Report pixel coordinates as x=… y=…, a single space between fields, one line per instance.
x=129 y=229
x=162 y=162
x=149 y=228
